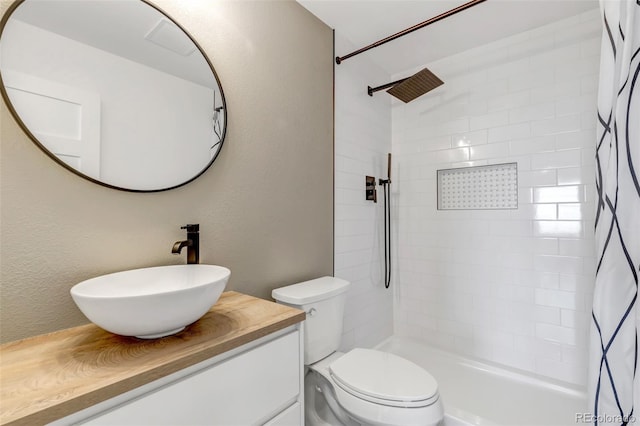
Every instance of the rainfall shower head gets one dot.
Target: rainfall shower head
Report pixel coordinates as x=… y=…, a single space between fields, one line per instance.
x=412 y=87
x=417 y=85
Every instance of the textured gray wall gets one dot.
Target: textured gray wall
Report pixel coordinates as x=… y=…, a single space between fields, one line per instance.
x=265 y=207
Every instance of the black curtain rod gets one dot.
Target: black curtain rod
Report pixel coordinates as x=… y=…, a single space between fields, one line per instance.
x=446 y=14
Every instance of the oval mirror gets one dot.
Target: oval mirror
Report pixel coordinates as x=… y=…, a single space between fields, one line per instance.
x=115 y=91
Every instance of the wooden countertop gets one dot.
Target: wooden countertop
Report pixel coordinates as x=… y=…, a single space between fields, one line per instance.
x=47 y=377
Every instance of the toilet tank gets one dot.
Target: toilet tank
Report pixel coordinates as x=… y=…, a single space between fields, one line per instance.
x=323 y=300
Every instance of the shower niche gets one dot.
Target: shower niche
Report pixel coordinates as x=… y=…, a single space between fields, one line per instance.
x=492 y=187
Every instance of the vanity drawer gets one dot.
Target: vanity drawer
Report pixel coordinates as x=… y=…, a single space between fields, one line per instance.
x=248 y=389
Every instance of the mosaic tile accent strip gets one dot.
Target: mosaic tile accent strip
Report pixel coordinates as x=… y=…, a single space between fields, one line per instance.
x=478 y=188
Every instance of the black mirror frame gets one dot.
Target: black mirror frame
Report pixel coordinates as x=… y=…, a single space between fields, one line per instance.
x=35 y=140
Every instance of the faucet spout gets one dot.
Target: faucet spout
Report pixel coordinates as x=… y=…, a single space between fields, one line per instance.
x=179 y=245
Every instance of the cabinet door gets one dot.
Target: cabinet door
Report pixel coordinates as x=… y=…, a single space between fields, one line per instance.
x=248 y=389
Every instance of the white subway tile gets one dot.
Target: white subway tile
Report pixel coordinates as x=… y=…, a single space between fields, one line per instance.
x=449 y=155
x=498 y=87
x=519 y=228
x=345 y=244
x=556 y=160
x=589 y=84
x=353 y=258
x=366 y=213
x=574 y=105
x=576 y=175
x=558 y=298
x=575 y=319
x=528 y=80
x=524 y=162
x=575 y=247
x=590 y=195
x=547 y=314
x=537 y=177
x=509 y=101
x=516 y=260
x=557 y=55
x=591 y=47
x=571 y=211
x=348 y=196
x=577 y=33
x=553 y=126
x=558 y=228
x=555 y=333
x=492 y=150
x=547 y=280
x=533 y=145
x=478 y=137
x=558 y=194
x=455 y=328
x=532 y=112
x=558 y=90
x=525 y=196
x=589 y=120
x=492 y=337
x=490 y=120
x=523 y=360
x=592 y=17
x=575 y=355
x=576 y=281
x=588 y=157
x=545 y=246
x=513 y=131
x=577 y=68
x=540 y=348
x=434 y=143
x=545 y=212
x=347 y=180
x=459 y=125
x=559 y=264
x=532 y=47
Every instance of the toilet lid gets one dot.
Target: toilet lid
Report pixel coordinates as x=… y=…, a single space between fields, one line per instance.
x=384 y=376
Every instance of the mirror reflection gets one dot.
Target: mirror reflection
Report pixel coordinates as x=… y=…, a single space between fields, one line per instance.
x=114 y=90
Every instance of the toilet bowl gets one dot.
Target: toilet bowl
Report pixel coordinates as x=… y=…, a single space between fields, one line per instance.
x=362 y=386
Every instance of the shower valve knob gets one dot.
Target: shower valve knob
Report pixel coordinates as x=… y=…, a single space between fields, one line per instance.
x=371 y=194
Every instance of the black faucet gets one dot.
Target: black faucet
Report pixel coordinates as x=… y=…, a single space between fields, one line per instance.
x=192 y=243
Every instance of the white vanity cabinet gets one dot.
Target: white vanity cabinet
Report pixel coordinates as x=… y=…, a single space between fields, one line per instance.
x=259 y=383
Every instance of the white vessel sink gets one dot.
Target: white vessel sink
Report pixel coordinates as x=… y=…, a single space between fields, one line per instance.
x=151 y=302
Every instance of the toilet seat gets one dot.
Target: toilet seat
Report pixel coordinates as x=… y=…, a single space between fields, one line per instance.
x=377 y=403
x=384 y=378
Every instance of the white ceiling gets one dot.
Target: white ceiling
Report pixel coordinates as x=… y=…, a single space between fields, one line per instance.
x=119 y=27
x=363 y=22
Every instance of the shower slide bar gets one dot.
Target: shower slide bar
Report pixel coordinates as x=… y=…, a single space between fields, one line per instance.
x=446 y=14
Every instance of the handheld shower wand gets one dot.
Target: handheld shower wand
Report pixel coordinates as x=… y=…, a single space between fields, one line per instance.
x=386 y=185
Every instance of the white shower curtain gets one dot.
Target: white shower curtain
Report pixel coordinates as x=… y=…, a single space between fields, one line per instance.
x=614 y=388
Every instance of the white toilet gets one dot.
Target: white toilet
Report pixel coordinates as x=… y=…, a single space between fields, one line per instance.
x=362 y=386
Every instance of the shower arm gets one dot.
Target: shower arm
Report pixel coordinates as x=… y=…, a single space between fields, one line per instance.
x=372 y=90
x=392 y=37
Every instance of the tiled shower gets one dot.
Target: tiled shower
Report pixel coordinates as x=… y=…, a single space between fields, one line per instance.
x=508 y=286
x=362 y=141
